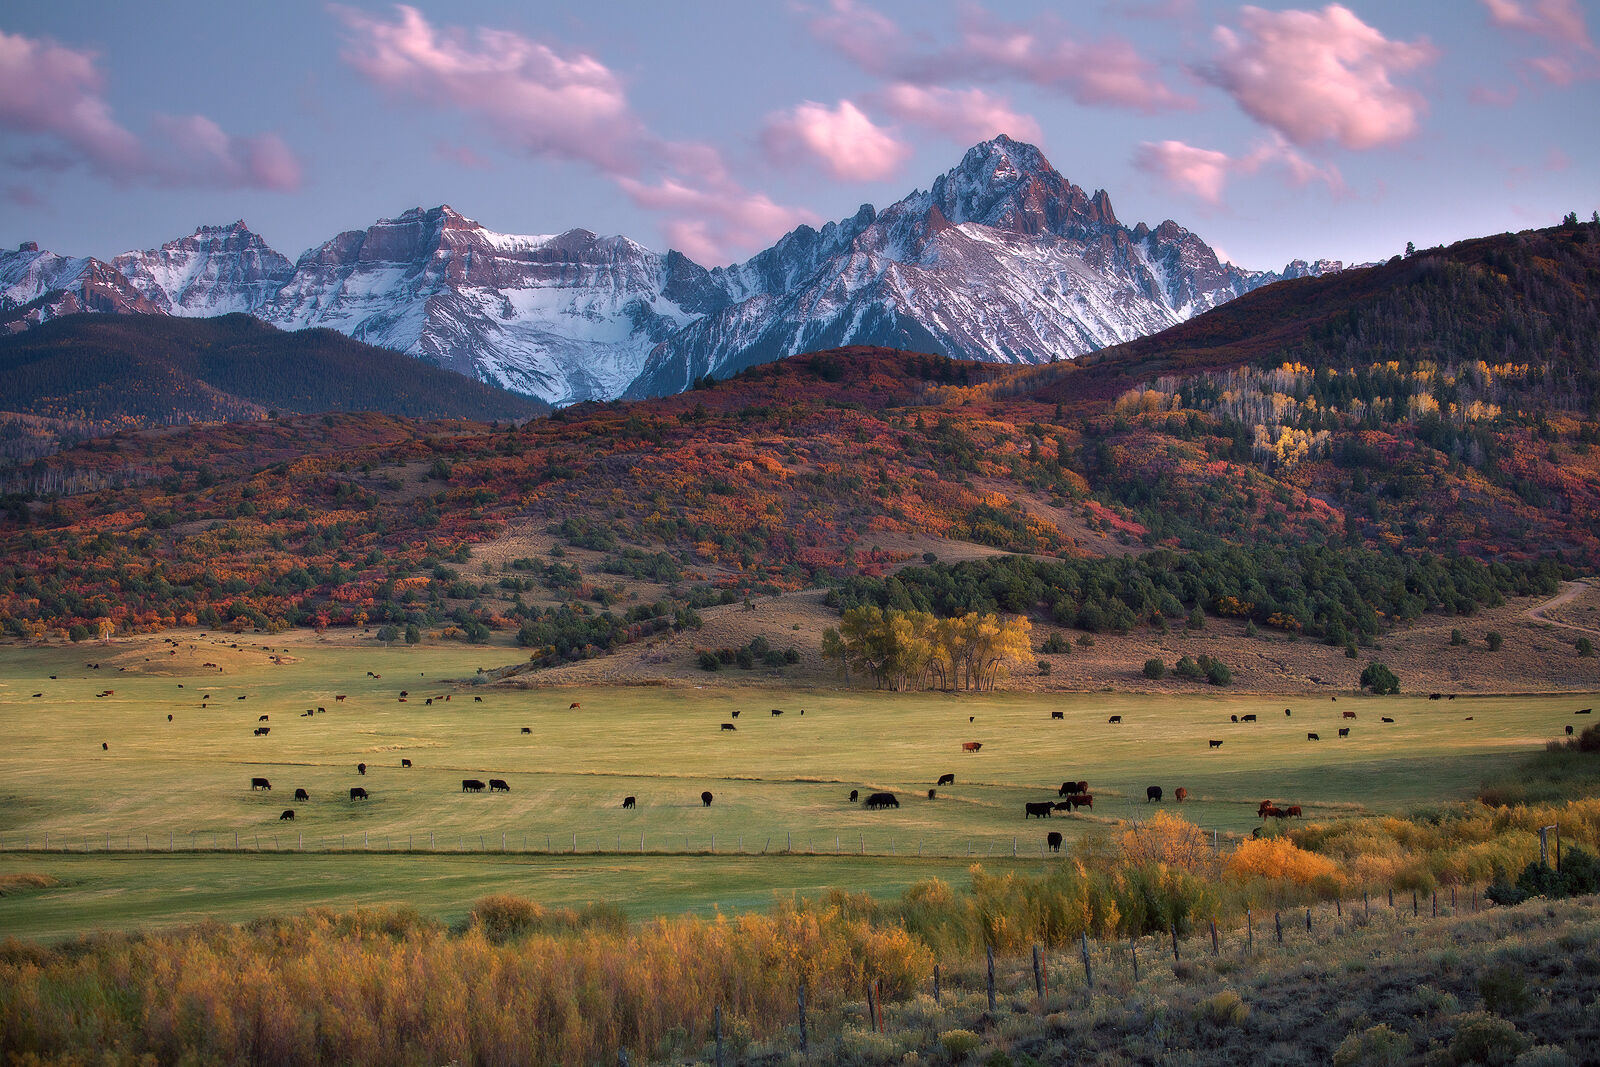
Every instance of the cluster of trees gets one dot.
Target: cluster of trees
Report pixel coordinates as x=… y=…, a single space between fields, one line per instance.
x=1346 y=596
x=903 y=650
x=757 y=651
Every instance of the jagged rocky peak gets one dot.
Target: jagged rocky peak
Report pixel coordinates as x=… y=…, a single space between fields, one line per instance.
x=1010 y=185
x=213 y=271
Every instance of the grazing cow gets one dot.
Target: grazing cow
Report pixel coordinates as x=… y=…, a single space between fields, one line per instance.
x=971 y=746
x=1583 y=711
x=932 y=794
x=729 y=726
x=262 y=719
x=301 y=794
x=1041 y=810
x=307 y=713
x=1468 y=719
x=321 y=710
x=1268 y=811
x=1292 y=812
x=471 y=785
x=574 y=704
x=405 y=763
x=169 y=718
x=241 y=695
x=1434 y=696
x=527 y=729
x=1053 y=839
x=1265 y=806
x=1247 y=718
x=1058 y=715
x=628 y=802
x=1385 y=718
x=946 y=779
x=36 y=695
x=260 y=783
x=1075 y=801
x=1233 y=718
x=1115 y=718
x=339 y=697
x=1452 y=696
x=357 y=793
x=1152 y=793
x=706 y=798
x=1061 y=805
x=477 y=700
x=972 y=718
x=430 y=702
x=288 y=814
x=1213 y=744
x=1349 y=714
x=1287 y=713
x=777 y=711
x=855 y=794
x=499 y=785
x=263 y=731
x=1344 y=731
x=1312 y=737
x=735 y=714
x=405 y=692
x=1181 y=795
x=881 y=800
x=361 y=768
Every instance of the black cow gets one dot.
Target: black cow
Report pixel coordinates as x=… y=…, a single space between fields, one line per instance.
x=1344 y=731
x=1569 y=731
x=288 y=813
x=946 y=779
x=1287 y=712
x=1247 y=718
x=1385 y=718
x=1213 y=744
x=357 y=793
x=855 y=794
x=1053 y=839
x=1312 y=737
x=1233 y=718
x=777 y=711
x=882 y=800
x=1061 y=805
x=1040 y=810
x=430 y=702
x=361 y=768
x=1115 y=718
x=933 y=794
x=1058 y=715
x=405 y=763
x=301 y=794
x=471 y=785
x=527 y=729
x=706 y=798
x=262 y=719
x=735 y=714
x=477 y=700
x=729 y=726
x=1583 y=711
x=263 y=731
x=1435 y=696
x=628 y=802
x=405 y=692
x=1152 y=793
x=260 y=783
x=169 y=718
x=499 y=785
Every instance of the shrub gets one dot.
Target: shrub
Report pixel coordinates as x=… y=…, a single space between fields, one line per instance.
x=1188 y=669
x=1483 y=1038
x=959 y=1044
x=1217 y=672
x=1494 y=640
x=708 y=661
x=1054 y=645
x=1224 y=1009
x=1044 y=666
x=1584 y=646
x=1504 y=989
x=1457 y=638
x=1279 y=858
x=1154 y=668
x=1379 y=679
x=1545 y=1056
x=1377 y=1046
x=1197 y=619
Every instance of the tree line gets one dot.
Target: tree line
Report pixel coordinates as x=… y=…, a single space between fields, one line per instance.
x=904 y=650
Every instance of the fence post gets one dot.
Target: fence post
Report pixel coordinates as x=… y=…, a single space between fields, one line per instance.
x=1174 y=942
x=1366 y=902
x=1133 y=951
x=622 y=1057
x=877 y=1000
x=1308 y=920
x=1277 y=919
x=936 y=992
x=1435 y=903
x=803 y=1015
x=1013 y=848
x=1338 y=908
x=1249 y=929
x=719 y=1035
x=989 y=949
x=1215 y=950
x=1413 y=903
x=1452 y=898
x=1088 y=970
x=1038 y=975
x=788 y=841
x=1391 y=896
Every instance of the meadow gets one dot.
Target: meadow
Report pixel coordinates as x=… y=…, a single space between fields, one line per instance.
x=780 y=782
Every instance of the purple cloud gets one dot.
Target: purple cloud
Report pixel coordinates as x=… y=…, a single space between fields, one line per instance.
x=841 y=140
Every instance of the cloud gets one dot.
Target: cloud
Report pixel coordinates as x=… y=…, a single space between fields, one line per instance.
x=569 y=106
x=964 y=115
x=460 y=155
x=842 y=141
x=1200 y=172
x=1320 y=77
x=1204 y=173
x=1108 y=72
x=51 y=91
x=25 y=196
x=1562 y=23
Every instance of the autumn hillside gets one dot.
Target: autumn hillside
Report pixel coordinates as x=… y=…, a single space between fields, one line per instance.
x=1330 y=453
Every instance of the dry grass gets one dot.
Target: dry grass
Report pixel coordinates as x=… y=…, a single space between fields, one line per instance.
x=24 y=881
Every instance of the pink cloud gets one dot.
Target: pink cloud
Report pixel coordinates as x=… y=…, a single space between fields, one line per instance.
x=1204 y=173
x=52 y=91
x=460 y=156
x=25 y=196
x=842 y=141
x=1489 y=96
x=569 y=106
x=1200 y=172
x=1108 y=72
x=964 y=115
x=564 y=105
x=1561 y=21
x=1320 y=77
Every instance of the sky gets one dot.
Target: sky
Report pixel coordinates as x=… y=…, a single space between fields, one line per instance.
x=1273 y=131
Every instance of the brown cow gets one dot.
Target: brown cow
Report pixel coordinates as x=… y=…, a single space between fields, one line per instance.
x=340 y=697
x=971 y=746
x=1349 y=714
x=574 y=704
x=1293 y=812
x=1181 y=795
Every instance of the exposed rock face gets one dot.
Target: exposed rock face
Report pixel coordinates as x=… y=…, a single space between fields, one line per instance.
x=1003 y=259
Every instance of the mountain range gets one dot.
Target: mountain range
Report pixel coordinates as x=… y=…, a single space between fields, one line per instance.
x=1001 y=260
